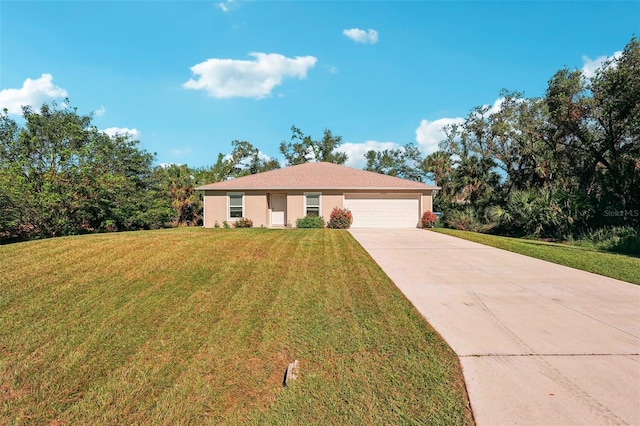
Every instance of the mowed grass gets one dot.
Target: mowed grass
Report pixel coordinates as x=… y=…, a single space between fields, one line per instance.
x=618 y=266
x=195 y=326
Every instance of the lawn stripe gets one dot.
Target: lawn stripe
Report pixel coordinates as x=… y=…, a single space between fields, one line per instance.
x=196 y=326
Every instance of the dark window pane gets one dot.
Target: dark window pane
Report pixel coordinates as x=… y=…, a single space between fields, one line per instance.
x=313 y=199
x=235 y=200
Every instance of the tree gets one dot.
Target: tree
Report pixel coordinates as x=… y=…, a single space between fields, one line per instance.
x=179 y=183
x=302 y=148
x=474 y=178
x=513 y=137
x=243 y=160
x=596 y=121
x=405 y=162
x=546 y=166
x=439 y=168
x=59 y=175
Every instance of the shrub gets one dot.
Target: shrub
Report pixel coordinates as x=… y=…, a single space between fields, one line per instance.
x=467 y=220
x=429 y=219
x=340 y=219
x=620 y=239
x=243 y=222
x=539 y=213
x=216 y=225
x=310 y=222
x=225 y=224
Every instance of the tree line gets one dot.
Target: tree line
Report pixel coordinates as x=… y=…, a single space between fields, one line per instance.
x=559 y=166
x=553 y=166
x=60 y=175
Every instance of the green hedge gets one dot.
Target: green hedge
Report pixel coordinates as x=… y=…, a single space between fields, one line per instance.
x=310 y=222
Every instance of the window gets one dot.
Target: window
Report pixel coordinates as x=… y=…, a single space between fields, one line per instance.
x=236 y=205
x=312 y=204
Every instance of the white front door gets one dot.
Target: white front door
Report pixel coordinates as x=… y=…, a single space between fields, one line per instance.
x=278 y=209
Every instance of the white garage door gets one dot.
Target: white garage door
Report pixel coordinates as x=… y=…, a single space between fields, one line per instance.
x=383 y=211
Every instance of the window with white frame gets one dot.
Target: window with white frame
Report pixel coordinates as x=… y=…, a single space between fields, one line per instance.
x=312 y=204
x=236 y=205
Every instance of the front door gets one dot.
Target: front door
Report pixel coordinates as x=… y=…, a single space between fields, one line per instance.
x=278 y=209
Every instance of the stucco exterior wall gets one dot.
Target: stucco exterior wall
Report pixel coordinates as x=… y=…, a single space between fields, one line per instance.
x=295 y=205
x=256 y=208
x=216 y=208
x=329 y=201
x=257 y=205
x=427 y=203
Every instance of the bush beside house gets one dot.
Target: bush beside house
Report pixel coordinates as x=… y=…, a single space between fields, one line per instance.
x=340 y=218
x=429 y=219
x=243 y=222
x=310 y=222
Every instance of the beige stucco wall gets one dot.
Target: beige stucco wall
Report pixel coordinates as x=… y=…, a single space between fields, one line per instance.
x=295 y=205
x=427 y=203
x=329 y=201
x=216 y=208
x=256 y=208
x=257 y=205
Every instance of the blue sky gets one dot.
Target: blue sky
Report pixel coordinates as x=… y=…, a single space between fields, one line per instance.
x=188 y=77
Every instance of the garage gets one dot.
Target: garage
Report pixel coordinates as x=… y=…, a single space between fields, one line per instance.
x=383 y=210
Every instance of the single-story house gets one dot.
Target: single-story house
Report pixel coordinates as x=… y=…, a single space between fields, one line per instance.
x=278 y=198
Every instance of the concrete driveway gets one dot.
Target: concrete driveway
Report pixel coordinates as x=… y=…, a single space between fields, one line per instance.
x=539 y=343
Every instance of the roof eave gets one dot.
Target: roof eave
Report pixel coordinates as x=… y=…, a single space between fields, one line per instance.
x=319 y=188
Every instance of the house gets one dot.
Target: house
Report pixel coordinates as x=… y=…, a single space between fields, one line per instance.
x=278 y=198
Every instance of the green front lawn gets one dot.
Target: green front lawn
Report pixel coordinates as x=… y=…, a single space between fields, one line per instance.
x=618 y=266
x=197 y=326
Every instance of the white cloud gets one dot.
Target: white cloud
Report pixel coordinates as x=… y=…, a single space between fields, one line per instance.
x=100 y=112
x=429 y=133
x=167 y=165
x=182 y=151
x=591 y=65
x=263 y=156
x=361 y=36
x=122 y=131
x=228 y=5
x=33 y=93
x=230 y=78
x=355 y=151
x=496 y=107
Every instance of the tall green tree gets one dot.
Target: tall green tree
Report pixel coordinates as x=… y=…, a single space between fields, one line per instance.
x=59 y=175
x=570 y=157
x=179 y=183
x=438 y=166
x=474 y=178
x=512 y=136
x=597 y=123
x=302 y=148
x=405 y=162
x=244 y=159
